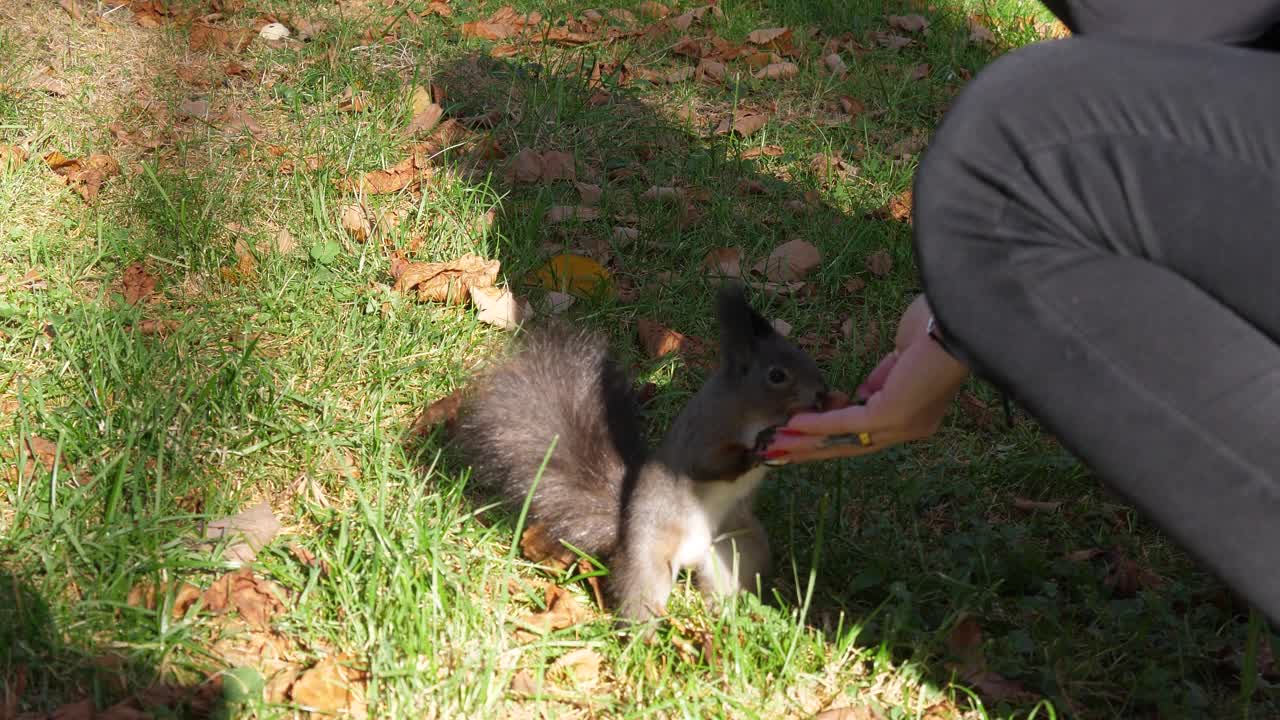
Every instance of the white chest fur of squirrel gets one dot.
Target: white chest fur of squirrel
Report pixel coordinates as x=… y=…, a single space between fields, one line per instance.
x=648 y=513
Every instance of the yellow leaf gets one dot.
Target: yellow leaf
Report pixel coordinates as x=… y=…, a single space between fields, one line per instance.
x=574 y=274
x=420 y=100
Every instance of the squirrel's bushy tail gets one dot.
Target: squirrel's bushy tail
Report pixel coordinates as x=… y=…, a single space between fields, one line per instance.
x=559 y=384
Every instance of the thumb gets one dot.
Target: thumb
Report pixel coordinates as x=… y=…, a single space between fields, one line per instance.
x=850 y=419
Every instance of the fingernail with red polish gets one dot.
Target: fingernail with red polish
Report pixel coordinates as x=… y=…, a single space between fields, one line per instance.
x=788 y=432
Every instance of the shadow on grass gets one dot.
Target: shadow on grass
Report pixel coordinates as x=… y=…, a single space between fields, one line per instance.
x=901 y=547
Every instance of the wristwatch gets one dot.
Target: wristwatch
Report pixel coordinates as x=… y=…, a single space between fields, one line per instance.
x=936 y=336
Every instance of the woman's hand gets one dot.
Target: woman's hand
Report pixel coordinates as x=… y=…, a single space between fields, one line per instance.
x=905 y=396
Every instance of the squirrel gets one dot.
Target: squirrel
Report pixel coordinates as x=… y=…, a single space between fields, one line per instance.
x=686 y=504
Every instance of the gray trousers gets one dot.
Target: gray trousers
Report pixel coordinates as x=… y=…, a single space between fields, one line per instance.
x=1097 y=223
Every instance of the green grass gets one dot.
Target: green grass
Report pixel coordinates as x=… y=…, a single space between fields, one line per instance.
x=265 y=383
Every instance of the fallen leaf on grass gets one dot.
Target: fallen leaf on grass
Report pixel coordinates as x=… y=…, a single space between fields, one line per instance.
x=284 y=242
x=548 y=166
x=725 y=262
x=762 y=151
x=84 y=175
x=835 y=64
x=449 y=281
x=329 y=687
x=235 y=121
x=555 y=302
x=423 y=121
x=625 y=235
x=209 y=38
x=765 y=36
x=581 y=666
x=443 y=411
x=589 y=193
x=575 y=274
x=1126 y=577
x=273 y=32
x=679 y=75
x=72 y=8
x=831 y=165
x=744 y=125
x=137 y=285
x=909 y=23
x=562 y=611
x=400 y=176
x=782 y=327
x=539 y=547
x=980 y=34
x=908 y=146
x=254 y=527
x=564 y=213
x=1037 y=505
x=919 y=72
x=255 y=599
x=898 y=208
x=880 y=263
x=965 y=643
x=195 y=108
x=502 y=24
x=849 y=712
x=790 y=261
x=777 y=71
x=11 y=156
x=891 y=40
x=659 y=341
x=499 y=307
x=48 y=82
x=663 y=193
x=356 y=222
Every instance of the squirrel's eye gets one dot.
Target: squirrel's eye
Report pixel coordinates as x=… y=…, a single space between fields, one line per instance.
x=778 y=376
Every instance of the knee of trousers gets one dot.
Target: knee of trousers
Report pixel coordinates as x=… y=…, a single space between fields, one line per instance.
x=972 y=177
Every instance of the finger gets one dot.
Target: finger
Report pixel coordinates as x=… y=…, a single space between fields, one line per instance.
x=874 y=381
x=794 y=443
x=851 y=419
x=833 y=452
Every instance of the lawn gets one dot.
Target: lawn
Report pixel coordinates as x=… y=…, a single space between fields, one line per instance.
x=225 y=379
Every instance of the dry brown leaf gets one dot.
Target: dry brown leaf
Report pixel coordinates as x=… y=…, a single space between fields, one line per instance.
x=254 y=527
x=751 y=186
x=762 y=151
x=526 y=166
x=558 y=165
x=765 y=36
x=724 y=262
x=537 y=546
x=11 y=156
x=84 y=175
x=849 y=712
x=1084 y=555
x=556 y=302
x=234 y=121
x=355 y=220
x=780 y=326
x=72 y=8
x=710 y=70
x=194 y=107
x=790 y=261
x=880 y=263
x=449 y=281
x=1037 y=505
x=210 y=38
x=284 y=242
x=352 y=101
x=504 y=23
x=329 y=687
x=659 y=341
x=48 y=82
x=662 y=193
x=909 y=23
x=908 y=146
x=565 y=213
x=653 y=9
x=437 y=7
x=1126 y=577
x=679 y=75
x=830 y=165
x=137 y=285
x=898 y=208
x=919 y=72
x=852 y=106
x=159 y=328
x=499 y=307
x=835 y=64
x=744 y=125
x=891 y=40
x=777 y=71
x=562 y=611
x=846 y=328
x=980 y=34
x=582 y=666
x=589 y=193
x=423 y=121
x=404 y=174
x=443 y=411
x=688 y=47
x=255 y=599
x=625 y=235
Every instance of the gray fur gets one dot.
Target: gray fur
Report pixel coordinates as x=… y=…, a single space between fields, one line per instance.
x=685 y=505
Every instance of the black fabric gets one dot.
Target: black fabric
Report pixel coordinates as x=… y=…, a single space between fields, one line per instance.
x=1098 y=230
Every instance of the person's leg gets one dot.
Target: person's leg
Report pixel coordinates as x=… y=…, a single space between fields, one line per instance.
x=1235 y=22
x=1097 y=223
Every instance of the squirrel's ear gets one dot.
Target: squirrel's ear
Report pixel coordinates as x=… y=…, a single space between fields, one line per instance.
x=741 y=327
